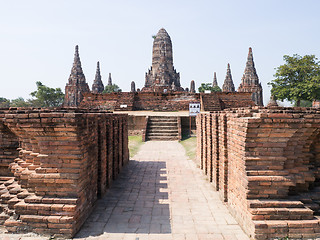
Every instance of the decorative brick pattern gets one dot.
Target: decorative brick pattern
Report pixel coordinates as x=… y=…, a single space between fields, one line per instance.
x=265 y=163
x=66 y=160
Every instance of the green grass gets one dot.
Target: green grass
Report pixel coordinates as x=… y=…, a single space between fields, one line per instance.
x=190 y=145
x=135 y=143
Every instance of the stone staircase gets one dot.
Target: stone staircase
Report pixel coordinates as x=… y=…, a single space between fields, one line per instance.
x=162 y=128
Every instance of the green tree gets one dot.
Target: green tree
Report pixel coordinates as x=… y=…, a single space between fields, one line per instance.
x=19 y=102
x=298 y=79
x=112 y=88
x=208 y=86
x=4 y=103
x=46 y=96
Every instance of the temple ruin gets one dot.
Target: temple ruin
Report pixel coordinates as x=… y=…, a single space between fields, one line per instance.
x=55 y=163
x=265 y=164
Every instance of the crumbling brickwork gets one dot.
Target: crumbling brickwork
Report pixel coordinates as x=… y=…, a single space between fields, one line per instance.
x=265 y=165
x=178 y=101
x=66 y=159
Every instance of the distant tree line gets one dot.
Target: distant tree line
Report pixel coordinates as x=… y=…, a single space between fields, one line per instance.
x=43 y=97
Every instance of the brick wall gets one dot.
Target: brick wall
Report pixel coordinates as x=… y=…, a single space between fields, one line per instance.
x=66 y=159
x=172 y=101
x=265 y=163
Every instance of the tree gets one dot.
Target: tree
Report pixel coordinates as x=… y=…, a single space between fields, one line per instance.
x=4 y=103
x=112 y=88
x=298 y=79
x=208 y=86
x=46 y=96
x=19 y=102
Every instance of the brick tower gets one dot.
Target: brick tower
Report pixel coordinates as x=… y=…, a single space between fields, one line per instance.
x=162 y=74
x=97 y=86
x=109 y=80
x=76 y=85
x=215 y=82
x=250 y=81
x=228 y=85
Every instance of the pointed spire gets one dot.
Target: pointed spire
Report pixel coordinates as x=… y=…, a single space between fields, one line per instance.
x=250 y=81
x=272 y=102
x=228 y=85
x=77 y=84
x=133 y=86
x=109 y=80
x=97 y=86
x=192 y=87
x=215 y=82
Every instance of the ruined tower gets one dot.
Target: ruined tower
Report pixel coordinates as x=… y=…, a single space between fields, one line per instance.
x=250 y=81
x=162 y=74
x=76 y=85
x=192 y=87
x=133 y=86
x=97 y=86
x=215 y=82
x=228 y=85
x=109 y=80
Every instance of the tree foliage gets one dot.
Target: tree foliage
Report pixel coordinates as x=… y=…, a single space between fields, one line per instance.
x=112 y=88
x=208 y=86
x=298 y=79
x=20 y=102
x=4 y=103
x=46 y=96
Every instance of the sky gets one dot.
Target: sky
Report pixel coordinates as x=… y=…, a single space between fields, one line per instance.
x=37 y=39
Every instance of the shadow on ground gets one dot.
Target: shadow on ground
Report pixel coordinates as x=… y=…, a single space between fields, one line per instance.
x=137 y=202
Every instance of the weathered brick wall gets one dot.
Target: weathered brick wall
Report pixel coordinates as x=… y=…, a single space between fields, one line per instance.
x=171 y=101
x=265 y=163
x=8 y=149
x=67 y=159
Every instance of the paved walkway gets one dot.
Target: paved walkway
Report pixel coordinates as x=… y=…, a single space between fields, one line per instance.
x=161 y=195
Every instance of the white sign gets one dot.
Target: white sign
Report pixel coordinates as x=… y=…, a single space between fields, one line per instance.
x=194 y=109
x=123 y=106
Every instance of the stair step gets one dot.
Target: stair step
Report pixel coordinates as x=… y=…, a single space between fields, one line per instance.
x=281 y=213
x=275 y=204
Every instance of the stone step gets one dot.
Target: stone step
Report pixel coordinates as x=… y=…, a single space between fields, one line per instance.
x=161 y=130
x=162 y=138
x=162 y=124
x=153 y=134
x=275 y=204
x=267 y=173
x=281 y=213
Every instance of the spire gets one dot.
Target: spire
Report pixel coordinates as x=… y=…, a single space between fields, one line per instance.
x=272 y=102
x=97 y=86
x=109 y=80
x=77 y=84
x=250 y=81
x=215 y=82
x=133 y=86
x=192 y=87
x=162 y=73
x=228 y=85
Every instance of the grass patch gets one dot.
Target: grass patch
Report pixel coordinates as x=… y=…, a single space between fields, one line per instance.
x=135 y=143
x=190 y=145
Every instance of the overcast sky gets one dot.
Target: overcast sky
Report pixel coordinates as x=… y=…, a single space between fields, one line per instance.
x=37 y=39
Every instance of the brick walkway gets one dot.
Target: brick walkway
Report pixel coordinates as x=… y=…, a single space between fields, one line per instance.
x=161 y=195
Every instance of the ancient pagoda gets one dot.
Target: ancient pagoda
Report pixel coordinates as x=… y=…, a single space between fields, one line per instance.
x=97 y=86
x=250 y=81
x=228 y=85
x=162 y=76
x=76 y=85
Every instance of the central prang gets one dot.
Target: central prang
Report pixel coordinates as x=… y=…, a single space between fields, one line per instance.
x=162 y=76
